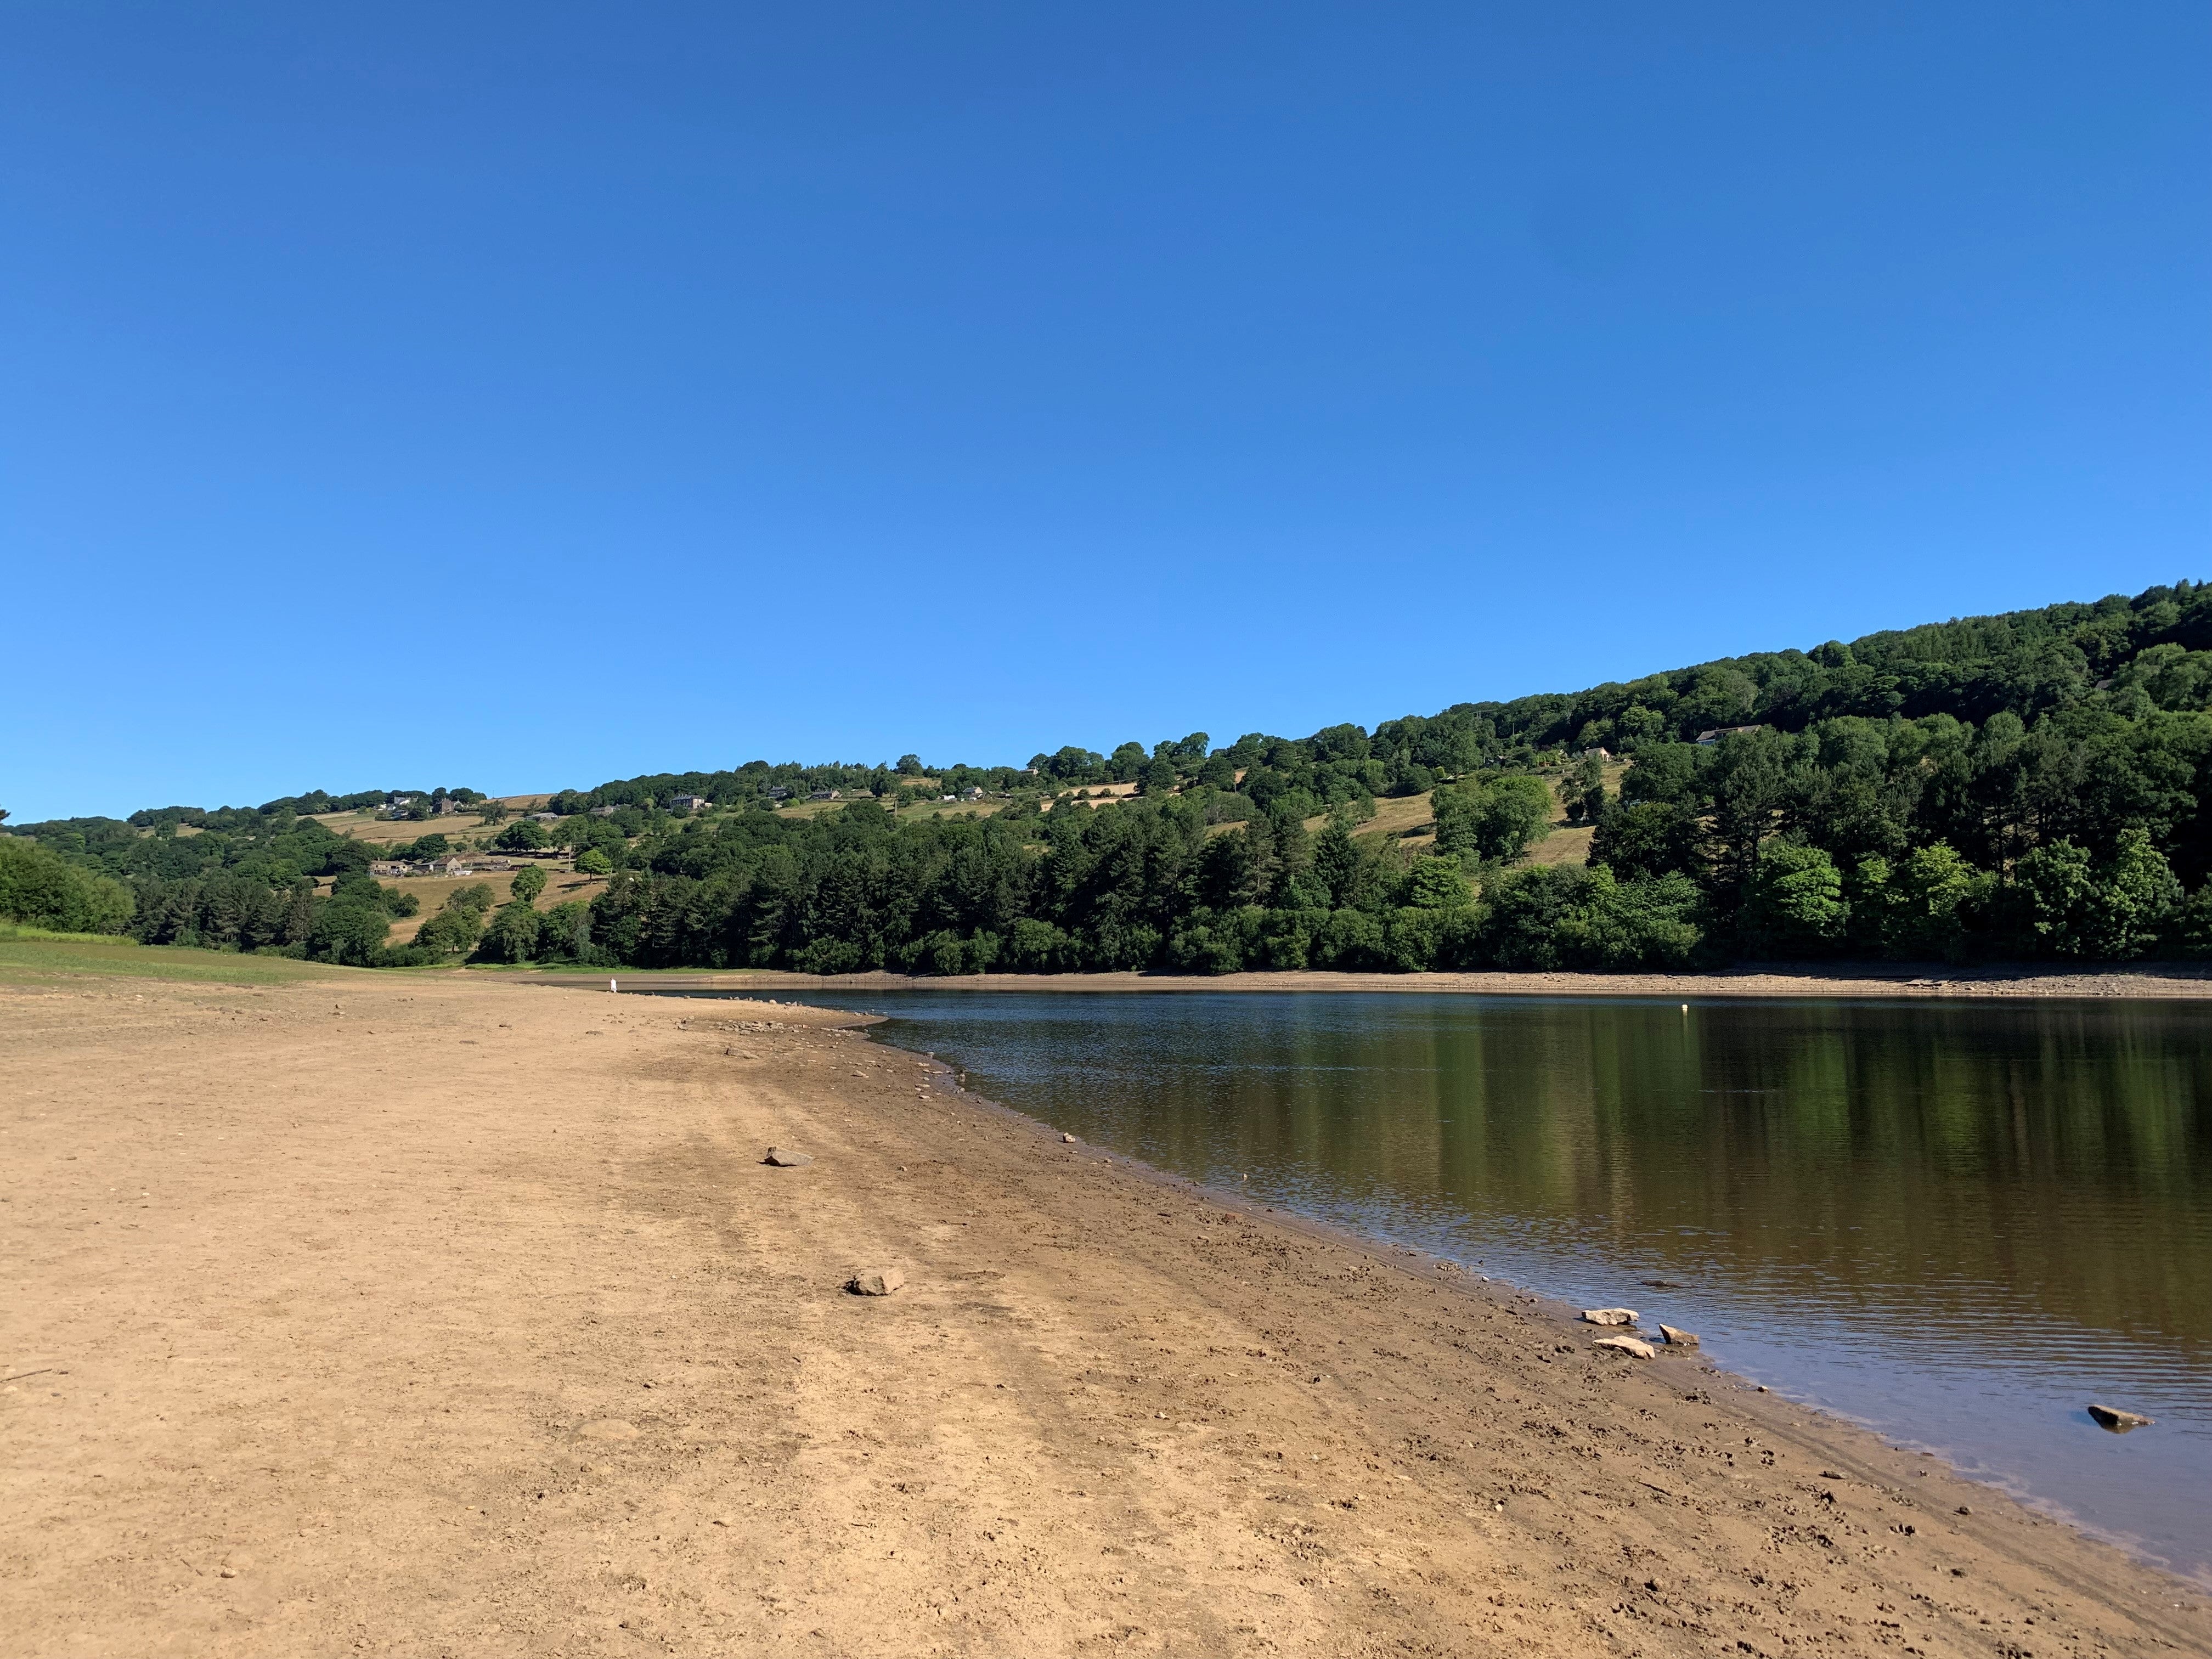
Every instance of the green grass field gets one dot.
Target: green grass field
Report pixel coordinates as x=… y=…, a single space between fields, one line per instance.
x=31 y=956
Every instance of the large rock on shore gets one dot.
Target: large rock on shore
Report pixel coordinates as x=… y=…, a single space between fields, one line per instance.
x=1634 y=1347
x=1677 y=1339
x=1610 y=1316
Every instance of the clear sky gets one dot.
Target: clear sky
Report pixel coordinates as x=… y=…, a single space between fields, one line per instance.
x=523 y=396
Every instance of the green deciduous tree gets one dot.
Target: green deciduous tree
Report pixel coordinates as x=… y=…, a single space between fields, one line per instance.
x=1918 y=909
x=458 y=924
x=1437 y=884
x=1492 y=822
x=451 y=932
x=523 y=835
x=2066 y=905
x=1793 y=904
x=40 y=888
x=2137 y=898
x=1649 y=838
x=1547 y=917
x=564 y=934
x=512 y=935
x=349 y=929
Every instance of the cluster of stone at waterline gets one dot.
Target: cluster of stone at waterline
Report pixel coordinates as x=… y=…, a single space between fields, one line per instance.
x=2105 y=1417
x=1634 y=1347
x=886 y=1281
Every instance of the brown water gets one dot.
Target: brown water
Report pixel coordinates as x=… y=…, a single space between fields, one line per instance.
x=1959 y=1223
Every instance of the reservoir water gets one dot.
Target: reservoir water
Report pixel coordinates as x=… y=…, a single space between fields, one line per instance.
x=1959 y=1223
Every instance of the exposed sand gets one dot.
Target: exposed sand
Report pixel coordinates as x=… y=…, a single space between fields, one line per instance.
x=443 y=1315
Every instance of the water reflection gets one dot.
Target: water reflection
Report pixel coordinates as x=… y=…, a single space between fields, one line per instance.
x=1960 y=1222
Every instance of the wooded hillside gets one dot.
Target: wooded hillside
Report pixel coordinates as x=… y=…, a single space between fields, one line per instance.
x=2033 y=785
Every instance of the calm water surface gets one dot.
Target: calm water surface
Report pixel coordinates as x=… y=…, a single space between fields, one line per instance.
x=1957 y=1223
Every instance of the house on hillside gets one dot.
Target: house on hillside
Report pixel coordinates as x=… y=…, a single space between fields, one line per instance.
x=1720 y=732
x=445 y=806
x=688 y=803
x=603 y=811
x=546 y=817
x=391 y=867
x=779 y=792
x=825 y=794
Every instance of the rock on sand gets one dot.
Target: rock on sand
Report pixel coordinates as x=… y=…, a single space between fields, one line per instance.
x=875 y=1281
x=1677 y=1339
x=1632 y=1346
x=1610 y=1315
x=784 y=1160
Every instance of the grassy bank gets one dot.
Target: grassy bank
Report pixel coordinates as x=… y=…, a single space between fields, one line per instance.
x=31 y=955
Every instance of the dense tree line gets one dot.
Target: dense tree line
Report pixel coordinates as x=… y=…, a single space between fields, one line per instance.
x=1148 y=884
x=231 y=879
x=2025 y=785
x=2034 y=785
x=243 y=878
x=39 y=888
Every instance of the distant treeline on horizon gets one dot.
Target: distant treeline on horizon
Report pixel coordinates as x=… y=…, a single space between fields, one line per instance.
x=2036 y=785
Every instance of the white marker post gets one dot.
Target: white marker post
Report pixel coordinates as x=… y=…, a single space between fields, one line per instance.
x=611 y=984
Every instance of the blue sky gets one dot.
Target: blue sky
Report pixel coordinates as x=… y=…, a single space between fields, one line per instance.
x=524 y=396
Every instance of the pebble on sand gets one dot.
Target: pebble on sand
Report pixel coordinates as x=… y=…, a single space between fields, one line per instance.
x=608 y=1428
x=787 y=1160
x=875 y=1281
x=1610 y=1316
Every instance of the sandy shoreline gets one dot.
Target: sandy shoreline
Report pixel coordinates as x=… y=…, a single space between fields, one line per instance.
x=426 y=1315
x=2156 y=982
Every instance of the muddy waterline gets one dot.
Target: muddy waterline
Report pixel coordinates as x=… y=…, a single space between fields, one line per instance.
x=1960 y=1223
